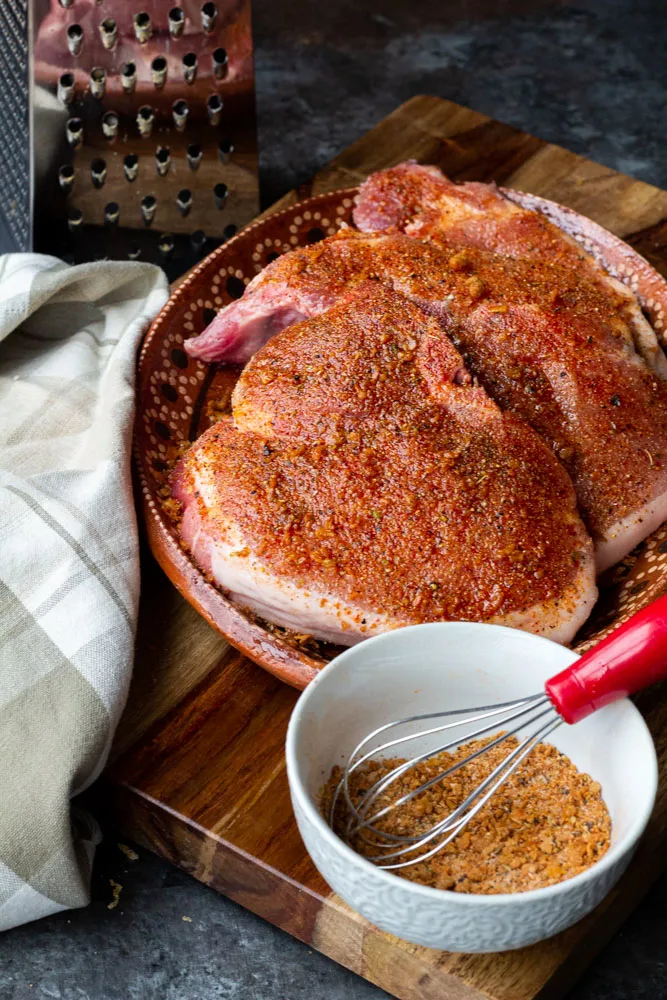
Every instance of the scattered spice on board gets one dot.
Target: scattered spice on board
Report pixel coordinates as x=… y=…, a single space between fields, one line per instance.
x=547 y=823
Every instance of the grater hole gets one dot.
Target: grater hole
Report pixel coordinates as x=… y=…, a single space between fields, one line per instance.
x=208 y=315
x=98 y=78
x=74 y=219
x=131 y=166
x=98 y=172
x=189 y=67
x=220 y=63
x=148 y=208
x=315 y=234
x=66 y=177
x=166 y=245
x=270 y=257
x=128 y=77
x=180 y=111
x=66 y=88
x=162 y=160
x=176 y=21
x=195 y=154
x=110 y=124
x=229 y=231
x=142 y=27
x=74 y=131
x=108 y=32
x=209 y=13
x=220 y=192
x=111 y=213
x=184 y=201
x=179 y=358
x=74 y=38
x=225 y=150
x=169 y=392
x=214 y=109
x=145 y=119
x=159 y=71
x=198 y=239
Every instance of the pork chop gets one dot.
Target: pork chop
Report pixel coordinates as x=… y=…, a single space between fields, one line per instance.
x=365 y=483
x=543 y=343
x=421 y=202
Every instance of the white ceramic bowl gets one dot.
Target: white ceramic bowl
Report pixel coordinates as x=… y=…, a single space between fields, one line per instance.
x=456 y=665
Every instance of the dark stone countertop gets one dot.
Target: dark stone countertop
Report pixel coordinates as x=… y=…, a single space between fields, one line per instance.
x=588 y=75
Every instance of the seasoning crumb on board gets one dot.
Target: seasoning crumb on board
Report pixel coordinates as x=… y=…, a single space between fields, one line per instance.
x=128 y=852
x=116 y=889
x=547 y=823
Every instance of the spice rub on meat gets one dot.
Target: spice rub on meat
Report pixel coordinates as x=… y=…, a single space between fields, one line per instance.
x=366 y=483
x=544 y=342
x=421 y=202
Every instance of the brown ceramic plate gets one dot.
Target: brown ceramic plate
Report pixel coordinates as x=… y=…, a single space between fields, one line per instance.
x=179 y=397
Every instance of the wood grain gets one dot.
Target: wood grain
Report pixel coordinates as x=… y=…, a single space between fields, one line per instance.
x=199 y=773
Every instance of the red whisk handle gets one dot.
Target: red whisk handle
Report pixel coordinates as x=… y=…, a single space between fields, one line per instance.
x=634 y=656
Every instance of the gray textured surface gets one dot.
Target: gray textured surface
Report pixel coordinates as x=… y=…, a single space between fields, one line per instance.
x=589 y=76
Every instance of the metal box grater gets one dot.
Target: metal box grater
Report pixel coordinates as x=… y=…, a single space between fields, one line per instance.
x=127 y=129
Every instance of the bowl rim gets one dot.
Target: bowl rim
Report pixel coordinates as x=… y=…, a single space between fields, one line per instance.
x=389 y=878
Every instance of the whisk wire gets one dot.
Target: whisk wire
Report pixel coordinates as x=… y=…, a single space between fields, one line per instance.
x=525 y=747
x=360 y=809
x=520 y=714
x=483 y=712
x=448 y=821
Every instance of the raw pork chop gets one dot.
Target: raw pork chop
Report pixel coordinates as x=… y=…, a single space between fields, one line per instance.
x=421 y=202
x=365 y=483
x=544 y=344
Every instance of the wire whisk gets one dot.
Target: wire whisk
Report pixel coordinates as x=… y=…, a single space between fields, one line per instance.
x=634 y=656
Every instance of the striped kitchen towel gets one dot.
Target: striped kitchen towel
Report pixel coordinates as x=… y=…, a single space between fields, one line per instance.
x=69 y=565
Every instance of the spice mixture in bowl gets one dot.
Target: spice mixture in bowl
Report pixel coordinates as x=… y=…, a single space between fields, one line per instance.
x=600 y=771
x=547 y=823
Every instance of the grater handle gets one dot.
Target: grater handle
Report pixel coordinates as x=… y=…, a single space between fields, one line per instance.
x=632 y=657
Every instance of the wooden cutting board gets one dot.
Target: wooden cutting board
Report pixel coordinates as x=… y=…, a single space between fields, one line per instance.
x=198 y=770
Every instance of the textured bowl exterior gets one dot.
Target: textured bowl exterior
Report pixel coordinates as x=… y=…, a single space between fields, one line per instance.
x=178 y=397
x=457 y=923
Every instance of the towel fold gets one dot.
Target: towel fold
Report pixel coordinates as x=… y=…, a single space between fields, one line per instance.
x=69 y=564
